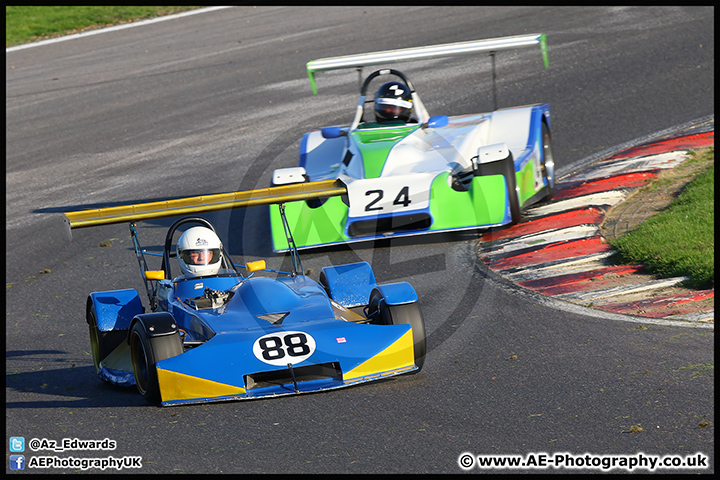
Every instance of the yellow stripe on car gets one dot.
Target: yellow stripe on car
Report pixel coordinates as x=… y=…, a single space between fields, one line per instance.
x=178 y=386
x=399 y=355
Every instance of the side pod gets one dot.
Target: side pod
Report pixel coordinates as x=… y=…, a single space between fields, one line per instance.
x=349 y=285
x=109 y=315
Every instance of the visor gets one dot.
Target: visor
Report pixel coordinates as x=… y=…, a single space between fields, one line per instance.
x=185 y=255
x=395 y=102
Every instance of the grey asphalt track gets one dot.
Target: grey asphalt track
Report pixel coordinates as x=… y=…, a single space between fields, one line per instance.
x=212 y=103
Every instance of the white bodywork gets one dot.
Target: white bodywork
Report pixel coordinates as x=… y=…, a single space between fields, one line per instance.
x=405 y=182
x=286 y=176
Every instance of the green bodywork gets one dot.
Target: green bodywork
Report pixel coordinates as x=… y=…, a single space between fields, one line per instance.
x=310 y=226
x=526 y=181
x=484 y=204
x=375 y=146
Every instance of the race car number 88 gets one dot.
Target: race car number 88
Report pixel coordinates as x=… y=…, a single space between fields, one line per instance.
x=284 y=347
x=272 y=347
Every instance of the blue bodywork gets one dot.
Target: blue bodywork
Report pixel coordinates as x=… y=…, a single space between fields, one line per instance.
x=250 y=337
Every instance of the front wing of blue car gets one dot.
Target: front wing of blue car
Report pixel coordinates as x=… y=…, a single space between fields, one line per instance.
x=323 y=356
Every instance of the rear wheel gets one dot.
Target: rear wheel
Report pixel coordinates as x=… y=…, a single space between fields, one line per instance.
x=145 y=352
x=547 y=165
x=515 y=213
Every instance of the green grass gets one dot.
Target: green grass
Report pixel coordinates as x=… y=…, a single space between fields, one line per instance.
x=680 y=240
x=29 y=24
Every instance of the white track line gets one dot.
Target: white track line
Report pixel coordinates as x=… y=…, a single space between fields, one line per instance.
x=625 y=289
x=633 y=164
x=113 y=28
x=608 y=198
x=541 y=239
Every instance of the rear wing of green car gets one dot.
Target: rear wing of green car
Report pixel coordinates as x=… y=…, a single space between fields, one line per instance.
x=490 y=46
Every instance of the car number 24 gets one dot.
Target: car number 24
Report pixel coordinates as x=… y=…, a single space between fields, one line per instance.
x=402 y=199
x=379 y=196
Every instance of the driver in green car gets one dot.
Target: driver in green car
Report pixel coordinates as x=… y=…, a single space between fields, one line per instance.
x=393 y=105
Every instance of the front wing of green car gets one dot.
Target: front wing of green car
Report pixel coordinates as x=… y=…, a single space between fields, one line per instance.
x=485 y=204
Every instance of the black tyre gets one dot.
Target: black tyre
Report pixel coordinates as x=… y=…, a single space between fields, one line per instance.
x=101 y=343
x=409 y=314
x=324 y=283
x=145 y=352
x=547 y=165
x=515 y=212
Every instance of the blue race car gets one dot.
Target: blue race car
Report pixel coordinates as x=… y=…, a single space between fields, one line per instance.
x=214 y=334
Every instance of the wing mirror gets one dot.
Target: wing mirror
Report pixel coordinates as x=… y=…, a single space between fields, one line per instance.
x=154 y=274
x=255 y=266
x=285 y=176
x=332 y=132
x=438 y=121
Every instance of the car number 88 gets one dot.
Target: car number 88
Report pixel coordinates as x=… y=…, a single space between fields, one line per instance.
x=284 y=347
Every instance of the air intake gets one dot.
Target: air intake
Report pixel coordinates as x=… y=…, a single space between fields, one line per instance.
x=286 y=376
x=419 y=221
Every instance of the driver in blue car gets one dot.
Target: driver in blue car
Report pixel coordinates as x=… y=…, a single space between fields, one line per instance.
x=199 y=252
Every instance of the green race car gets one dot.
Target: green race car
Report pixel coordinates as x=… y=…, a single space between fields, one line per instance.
x=408 y=173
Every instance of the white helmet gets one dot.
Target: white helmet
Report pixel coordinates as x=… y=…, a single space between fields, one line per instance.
x=199 y=252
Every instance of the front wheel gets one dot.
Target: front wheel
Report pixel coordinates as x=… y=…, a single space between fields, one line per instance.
x=145 y=352
x=101 y=343
x=98 y=349
x=409 y=314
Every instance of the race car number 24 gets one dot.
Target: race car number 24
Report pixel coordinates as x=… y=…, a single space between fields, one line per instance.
x=402 y=198
x=282 y=348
